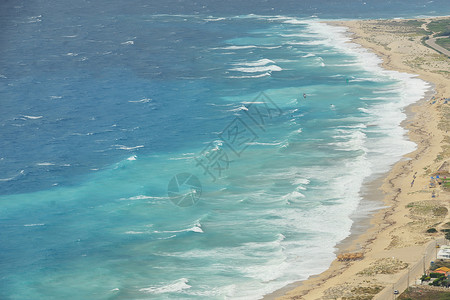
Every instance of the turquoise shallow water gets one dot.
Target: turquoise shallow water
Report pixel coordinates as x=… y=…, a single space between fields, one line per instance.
x=279 y=118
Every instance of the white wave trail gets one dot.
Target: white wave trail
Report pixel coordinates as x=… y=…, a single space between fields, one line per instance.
x=32 y=117
x=122 y=147
x=261 y=62
x=15 y=176
x=252 y=76
x=45 y=164
x=196 y=228
x=235 y=47
x=176 y=286
x=143 y=100
x=271 y=68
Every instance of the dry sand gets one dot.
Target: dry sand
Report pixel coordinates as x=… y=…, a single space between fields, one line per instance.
x=397 y=233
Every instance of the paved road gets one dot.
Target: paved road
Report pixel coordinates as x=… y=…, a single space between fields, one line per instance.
x=412 y=273
x=432 y=43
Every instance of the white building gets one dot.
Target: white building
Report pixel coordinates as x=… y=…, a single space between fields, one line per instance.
x=444 y=252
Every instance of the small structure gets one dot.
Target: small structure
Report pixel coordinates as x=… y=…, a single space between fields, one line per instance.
x=444 y=252
x=442 y=270
x=350 y=256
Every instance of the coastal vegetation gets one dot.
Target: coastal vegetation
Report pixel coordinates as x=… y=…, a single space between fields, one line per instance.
x=421 y=293
x=384 y=266
x=440 y=27
x=441 y=30
x=349 y=292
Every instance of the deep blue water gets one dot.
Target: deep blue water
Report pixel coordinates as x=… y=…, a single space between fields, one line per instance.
x=103 y=102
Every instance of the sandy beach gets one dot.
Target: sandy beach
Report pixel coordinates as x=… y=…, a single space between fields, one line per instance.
x=397 y=235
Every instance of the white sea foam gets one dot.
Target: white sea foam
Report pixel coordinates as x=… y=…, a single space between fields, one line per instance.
x=122 y=147
x=295 y=21
x=320 y=61
x=252 y=76
x=144 y=197
x=264 y=144
x=353 y=140
x=134 y=157
x=173 y=287
x=224 y=104
x=35 y=19
x=264 y=66
x=211 y=293
x=305 y=35
x=32 y=117
x=364 y=110
x=293 y=196
x=307 y=43
x=242 y=47
x=13 y=177
x=271 y=68
x=189 y=155
x=237 y=47
x=82 y=134
x=143 y=100
x=211 y=19
x=261 y=273
x=45 y=164
x=298 y=181
x=237 y=109
x=167 y=237
x=261 y=62
x=197 y=227
x=33 y=225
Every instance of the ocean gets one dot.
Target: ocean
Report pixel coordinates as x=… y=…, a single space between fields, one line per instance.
x=188 y=150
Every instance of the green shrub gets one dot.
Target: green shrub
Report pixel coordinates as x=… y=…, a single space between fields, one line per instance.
x=425 y=277
x=435 y=275
x=445 y=282
x=432 y=230
x=436 y=282
x=444 y=33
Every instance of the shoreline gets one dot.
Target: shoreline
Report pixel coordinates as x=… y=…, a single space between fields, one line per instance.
x=372 y=233
x=361 y=224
